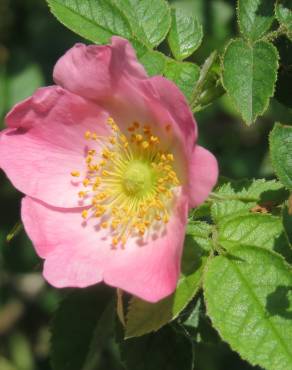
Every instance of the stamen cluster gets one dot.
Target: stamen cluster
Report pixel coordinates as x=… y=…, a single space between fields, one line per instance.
x=130 y=182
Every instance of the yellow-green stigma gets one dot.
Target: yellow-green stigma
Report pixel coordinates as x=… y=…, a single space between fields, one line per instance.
x=138 y=179
x=130 y=182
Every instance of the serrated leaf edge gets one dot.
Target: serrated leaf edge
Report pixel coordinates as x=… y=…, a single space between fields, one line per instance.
x=241 y=28
x=277 y=125
x=210 y=316
x=274 y=86
x=180 y=58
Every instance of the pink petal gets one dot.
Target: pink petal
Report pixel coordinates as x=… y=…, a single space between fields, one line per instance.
x=78 y=255
x=172 y=99
x=93 y=71
x=48 y=143
x=203 y=175
x=158 y=103
x=112 y=76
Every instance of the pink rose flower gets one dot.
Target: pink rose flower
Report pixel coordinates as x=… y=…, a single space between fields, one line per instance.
x=108 y=162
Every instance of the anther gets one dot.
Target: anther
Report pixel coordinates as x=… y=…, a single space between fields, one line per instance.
x=139 y=138
x=165 y=219
x=154 y=139
x=84 y=213
x=88 y=159
x=75 y=173
x=145 y=144
x=86 y=182
x=115 y=241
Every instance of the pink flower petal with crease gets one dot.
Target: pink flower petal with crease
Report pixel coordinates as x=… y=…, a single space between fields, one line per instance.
x=79 y=256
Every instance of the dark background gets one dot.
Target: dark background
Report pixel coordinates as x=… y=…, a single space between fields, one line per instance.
x=31 y=40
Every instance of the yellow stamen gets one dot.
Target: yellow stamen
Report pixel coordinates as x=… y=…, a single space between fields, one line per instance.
x=154 y=140
x=129 y=182
x=86 y=182
x=75 y=173
x=145 y=144
x=115 y=241
x=84 y=213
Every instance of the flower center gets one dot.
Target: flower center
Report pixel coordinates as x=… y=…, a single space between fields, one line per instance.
x=130 y=182
x=138 y=179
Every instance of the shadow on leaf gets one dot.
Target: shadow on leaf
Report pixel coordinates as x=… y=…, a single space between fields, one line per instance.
x=279 y=302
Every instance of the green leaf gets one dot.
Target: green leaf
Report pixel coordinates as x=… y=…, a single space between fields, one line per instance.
x=284 y=15
x=281 y=153
x=255 y=17
x=202 y=210
x=164 y=350
x=259 y=190
x=281 y=146
x=154 y=62
x=95 y=20
x=183 y=74
x=18 y=82
x=254 y=229
x=186 y=33
x=209 y=86
x=81 y=327
x=249 y=300
x=239 y=197
x=149 y=19
x=142 y=21
x=222 y=209
x=144 y=317
x=24 y=83
x=249 y=76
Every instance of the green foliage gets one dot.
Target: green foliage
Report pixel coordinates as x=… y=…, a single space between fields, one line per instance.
x=94 y=20
x=150 y=352
x=240 y=197
x=154 y=62
x=18 y=86
x=255 y=17
x=254 y=229
x=236 y=242
x=284 y=15
x=248 y=296
x=186 y=33
x=208 y=86
x=185 y=75
x=144 y=317
x=81 y=327
x=249 y=76
x=146 y=24
x=281 y=147
x=147 y=21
